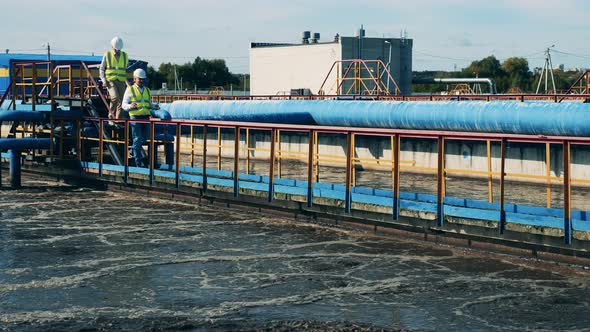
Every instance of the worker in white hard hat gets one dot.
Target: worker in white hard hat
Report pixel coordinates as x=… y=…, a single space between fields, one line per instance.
x=113 y=74
x=137 y=101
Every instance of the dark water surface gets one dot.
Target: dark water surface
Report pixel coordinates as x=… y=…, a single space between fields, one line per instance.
x=80 y=259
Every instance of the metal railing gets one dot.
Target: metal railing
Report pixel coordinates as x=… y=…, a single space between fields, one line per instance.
x=188 y=151
x=169 y=98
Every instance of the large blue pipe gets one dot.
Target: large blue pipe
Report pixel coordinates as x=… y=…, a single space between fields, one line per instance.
x=535 y=118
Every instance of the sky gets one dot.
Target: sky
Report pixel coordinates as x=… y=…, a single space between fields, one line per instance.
x=447 y=34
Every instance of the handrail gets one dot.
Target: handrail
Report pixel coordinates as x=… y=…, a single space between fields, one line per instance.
x=393 y=164
x=165 y=98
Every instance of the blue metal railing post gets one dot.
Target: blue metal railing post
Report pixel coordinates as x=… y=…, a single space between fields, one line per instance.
x=126 y=152
x=349 y=156
x=567 y=221
x=502 y=221
x=395 y=194
x=152 y=151
x=236 y=161
x=271 y=175
x=204 y=158
x=177 y=157
x=310 y=168
x=440 y=182
x=15 y=168
x=100 y=145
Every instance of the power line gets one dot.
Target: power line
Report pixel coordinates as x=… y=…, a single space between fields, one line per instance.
x=571 y=54
x=442 y=57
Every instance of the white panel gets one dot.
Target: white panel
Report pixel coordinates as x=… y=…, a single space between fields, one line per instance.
x=278 y=69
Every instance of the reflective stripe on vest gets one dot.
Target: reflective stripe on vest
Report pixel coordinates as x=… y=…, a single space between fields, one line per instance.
x=142 y=99
x=116 y=70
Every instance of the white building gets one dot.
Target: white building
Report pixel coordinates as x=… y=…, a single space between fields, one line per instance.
x=278 y=68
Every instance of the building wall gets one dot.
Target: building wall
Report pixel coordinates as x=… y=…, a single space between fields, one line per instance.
x=278 y=69
x=377 y=49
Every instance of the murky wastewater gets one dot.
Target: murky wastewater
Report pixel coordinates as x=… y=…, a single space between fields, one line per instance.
x=75 y=258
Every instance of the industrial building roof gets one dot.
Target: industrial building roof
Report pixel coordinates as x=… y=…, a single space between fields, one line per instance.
x=7 y=58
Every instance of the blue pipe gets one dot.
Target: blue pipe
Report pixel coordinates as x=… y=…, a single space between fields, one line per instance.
x=15 y=166
x=15 y=146
x=534 y=118
x=29 y=116
x=24 y=143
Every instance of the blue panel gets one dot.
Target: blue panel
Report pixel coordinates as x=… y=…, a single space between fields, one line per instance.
x=581 y=225
x=369 y=199
x=534 y=220
x=417 y=206
x=191 y=178
x=284 y=182
x=323 y=186
x=300 y=183
x=408 y=196
x=289 y=190
x=220 y=173
x=461 y=212
x=426 y=198
x=339 y=187
x=482 y=205
x=364 y=191
x=250 y=177
x=454 y=201
x=254 y=186
x=384 y=193
x=536 y=118
x=537 y=210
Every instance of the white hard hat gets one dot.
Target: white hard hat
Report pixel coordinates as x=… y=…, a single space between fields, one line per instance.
x=139 y=73
x=117 y=43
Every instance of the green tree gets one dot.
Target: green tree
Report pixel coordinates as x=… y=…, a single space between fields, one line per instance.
x=518 y=73
x=489 y=67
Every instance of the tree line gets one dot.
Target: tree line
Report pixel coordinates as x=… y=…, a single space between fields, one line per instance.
x=513 y=75
x=200 y=74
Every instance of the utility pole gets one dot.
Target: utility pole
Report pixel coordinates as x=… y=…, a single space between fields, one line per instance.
x=547 y=68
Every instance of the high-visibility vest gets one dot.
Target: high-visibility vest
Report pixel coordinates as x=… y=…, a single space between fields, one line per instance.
x=142 y=99
x=116 y=70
